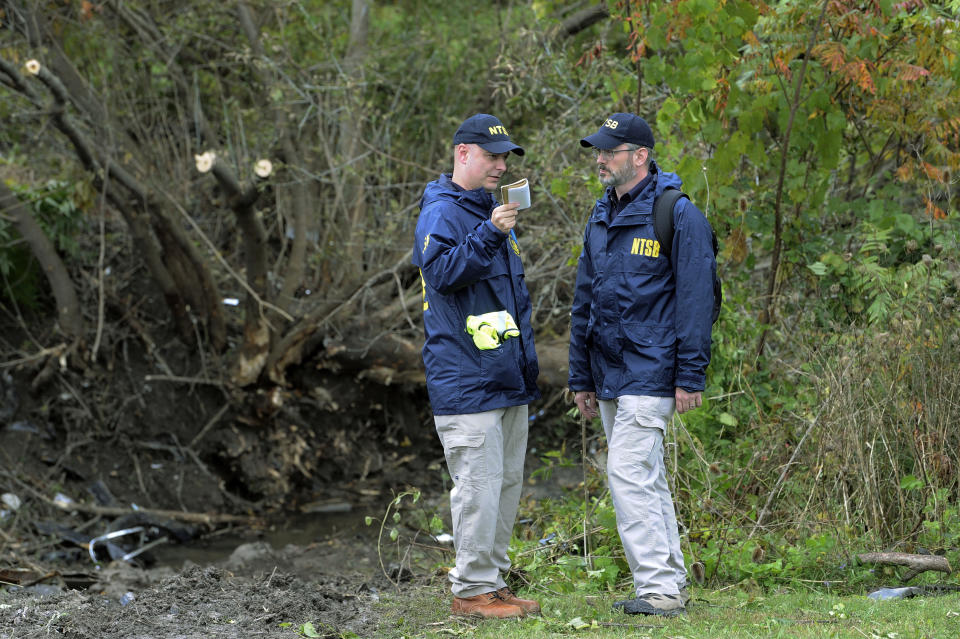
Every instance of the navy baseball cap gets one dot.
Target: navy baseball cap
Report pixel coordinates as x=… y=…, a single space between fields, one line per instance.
x=621 y=128
x=488 y=132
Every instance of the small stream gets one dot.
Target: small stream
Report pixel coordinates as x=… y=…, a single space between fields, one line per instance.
x=337 y=528
x=300 y=530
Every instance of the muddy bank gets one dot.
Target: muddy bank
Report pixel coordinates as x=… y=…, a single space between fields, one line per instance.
x=333 y=578
x=181 y=517
x=328 y=569
x=196 y=602
x=258 y=590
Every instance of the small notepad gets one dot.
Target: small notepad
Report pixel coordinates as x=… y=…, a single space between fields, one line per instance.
x=517 y=192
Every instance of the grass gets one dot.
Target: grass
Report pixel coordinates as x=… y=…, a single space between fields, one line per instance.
x=712 y=614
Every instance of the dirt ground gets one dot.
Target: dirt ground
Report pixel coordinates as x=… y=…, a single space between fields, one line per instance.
x=237 y=581
x=264 y=563
x=239 y=598
x=264 y=570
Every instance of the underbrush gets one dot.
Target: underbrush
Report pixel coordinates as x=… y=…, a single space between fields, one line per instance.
x=841 y=440
x=788 y=477
x=860 y=457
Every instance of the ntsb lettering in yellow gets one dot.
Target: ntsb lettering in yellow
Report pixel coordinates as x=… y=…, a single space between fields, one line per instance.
x=645 y=246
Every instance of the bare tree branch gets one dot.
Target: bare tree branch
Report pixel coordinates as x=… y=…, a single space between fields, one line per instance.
x=68 y=306
x=583 y=19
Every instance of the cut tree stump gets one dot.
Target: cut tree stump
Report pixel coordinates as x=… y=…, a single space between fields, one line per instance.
x=916 y=563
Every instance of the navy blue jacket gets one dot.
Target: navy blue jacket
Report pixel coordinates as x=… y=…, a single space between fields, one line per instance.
x=469 y=267
x=640 y=323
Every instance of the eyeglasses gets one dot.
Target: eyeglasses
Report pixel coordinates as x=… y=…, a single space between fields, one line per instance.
x=606 y=156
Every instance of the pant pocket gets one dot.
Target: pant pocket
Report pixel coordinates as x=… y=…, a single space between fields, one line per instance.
x=465 y=456
x=654 y=412
x=470 y=501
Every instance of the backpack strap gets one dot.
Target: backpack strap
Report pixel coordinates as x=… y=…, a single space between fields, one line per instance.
x=663 y=217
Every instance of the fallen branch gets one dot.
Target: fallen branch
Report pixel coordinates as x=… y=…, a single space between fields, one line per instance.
x=197 y=518
x=916 y=563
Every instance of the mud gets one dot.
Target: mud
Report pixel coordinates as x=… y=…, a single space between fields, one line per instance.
x=328 y=570
x=287 y=494
x=311 y=559
x=193 y=603
x=257 y=590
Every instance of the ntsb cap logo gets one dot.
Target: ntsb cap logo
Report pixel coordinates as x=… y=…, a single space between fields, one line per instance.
x=498 y=130
x=611 y=124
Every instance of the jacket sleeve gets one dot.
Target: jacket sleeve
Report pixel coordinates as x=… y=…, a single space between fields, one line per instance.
x=580 y=375
x=450 y=256
x=694 y=267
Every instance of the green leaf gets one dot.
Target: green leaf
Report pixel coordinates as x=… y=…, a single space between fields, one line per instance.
x=694 y=112
x=668 y=109
x=560 y=187
x=909 y=482
x=577 y=623
x=394 y=534
x=307 y=630
x=727 y=419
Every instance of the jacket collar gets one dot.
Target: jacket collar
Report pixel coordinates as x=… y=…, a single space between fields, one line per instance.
x=476 y=200
x=642 y=204
x=479 y=202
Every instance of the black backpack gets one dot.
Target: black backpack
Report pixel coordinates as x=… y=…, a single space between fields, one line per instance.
x=663 y=229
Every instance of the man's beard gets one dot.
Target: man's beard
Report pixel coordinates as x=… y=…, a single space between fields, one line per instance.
x=618 y=176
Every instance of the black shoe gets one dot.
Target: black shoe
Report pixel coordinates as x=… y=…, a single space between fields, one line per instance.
x=653 y=603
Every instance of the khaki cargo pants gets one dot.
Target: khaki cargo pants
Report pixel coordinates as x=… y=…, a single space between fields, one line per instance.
x=635 y=426
x=485 y=454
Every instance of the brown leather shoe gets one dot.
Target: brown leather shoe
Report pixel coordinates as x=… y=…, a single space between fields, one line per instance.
x=529 y=606
x=487 y=606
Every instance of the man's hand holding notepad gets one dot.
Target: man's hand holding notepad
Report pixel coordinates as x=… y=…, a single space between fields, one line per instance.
x=518 y=192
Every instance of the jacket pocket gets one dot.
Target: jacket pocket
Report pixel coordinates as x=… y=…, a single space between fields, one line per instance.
x=500 y=368
x=650 y=352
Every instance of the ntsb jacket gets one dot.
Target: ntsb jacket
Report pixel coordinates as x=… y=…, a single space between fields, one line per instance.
x=640 y=322
x=468 y=267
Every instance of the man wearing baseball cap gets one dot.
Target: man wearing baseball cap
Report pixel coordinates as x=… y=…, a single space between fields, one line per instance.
x=639 y=347
x=469 y=261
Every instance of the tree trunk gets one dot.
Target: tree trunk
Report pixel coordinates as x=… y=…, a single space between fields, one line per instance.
x=766 y=316
x=349 y=147
x=68 y=306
